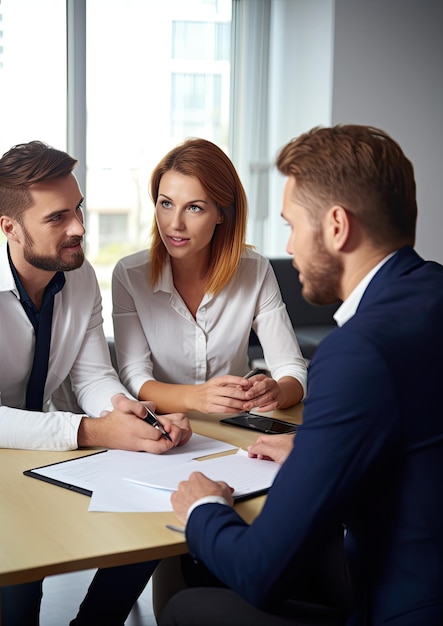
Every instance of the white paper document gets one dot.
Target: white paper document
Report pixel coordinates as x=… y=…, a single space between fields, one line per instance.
x=113 y=493
x=246 y=475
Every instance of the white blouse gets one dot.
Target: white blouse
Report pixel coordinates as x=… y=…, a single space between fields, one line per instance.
x=157 y=338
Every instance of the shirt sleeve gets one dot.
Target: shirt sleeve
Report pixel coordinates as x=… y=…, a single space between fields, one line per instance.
x=275 y=332
x=206 y=500
x=132 y=348
x=35 y=430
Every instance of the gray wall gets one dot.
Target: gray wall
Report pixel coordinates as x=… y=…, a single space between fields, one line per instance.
x=388 y=72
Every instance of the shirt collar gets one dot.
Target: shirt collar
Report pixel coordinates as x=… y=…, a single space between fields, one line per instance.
x=350 y=305
x=166 y=281
x=166 y=284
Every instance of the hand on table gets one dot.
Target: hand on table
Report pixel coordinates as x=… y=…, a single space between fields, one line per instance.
x=231 y=394
x=274 y=447
x=222 y=394
x=198 y=486
x=264 y=394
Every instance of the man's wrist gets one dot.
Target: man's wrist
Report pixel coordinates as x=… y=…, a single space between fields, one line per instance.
x=86 y=433
x=206 y=500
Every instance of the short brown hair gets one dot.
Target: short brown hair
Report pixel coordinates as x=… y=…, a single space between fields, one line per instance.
x=205 y=161
x=360 y=168
x=25 y=165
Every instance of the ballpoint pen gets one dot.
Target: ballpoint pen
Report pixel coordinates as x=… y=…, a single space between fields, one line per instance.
x=151 y=419
x=178 y=529
x=252 y=373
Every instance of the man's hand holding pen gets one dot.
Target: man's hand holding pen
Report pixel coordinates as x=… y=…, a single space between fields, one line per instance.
x=125 y=428
x=174 y=428
x=152 y=419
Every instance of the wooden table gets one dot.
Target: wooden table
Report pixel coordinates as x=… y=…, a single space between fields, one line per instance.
x=46 y=530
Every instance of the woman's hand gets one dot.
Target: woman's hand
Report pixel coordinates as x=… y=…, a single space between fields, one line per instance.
x=264 y=394
x=230 y=394
x=223 y=394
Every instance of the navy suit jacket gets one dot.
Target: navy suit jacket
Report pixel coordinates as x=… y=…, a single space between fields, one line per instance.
x=369 y=455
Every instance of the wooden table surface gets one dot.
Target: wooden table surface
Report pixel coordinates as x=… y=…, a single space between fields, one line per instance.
x=46 y=530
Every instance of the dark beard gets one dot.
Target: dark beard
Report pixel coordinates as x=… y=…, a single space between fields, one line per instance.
x=54 y=264
x=322 y=277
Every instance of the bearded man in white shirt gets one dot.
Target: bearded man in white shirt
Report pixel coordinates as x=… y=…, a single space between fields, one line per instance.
x=50 y=309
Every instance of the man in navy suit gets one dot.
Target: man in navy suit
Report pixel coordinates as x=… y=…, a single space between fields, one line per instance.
x=369 y=454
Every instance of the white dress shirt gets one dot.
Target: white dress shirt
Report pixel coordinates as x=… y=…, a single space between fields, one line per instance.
x=157 y=338
x=349 y=306
x=78 y=348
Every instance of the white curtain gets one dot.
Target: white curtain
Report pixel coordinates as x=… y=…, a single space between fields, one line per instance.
x=281 y=85
x=250 y=106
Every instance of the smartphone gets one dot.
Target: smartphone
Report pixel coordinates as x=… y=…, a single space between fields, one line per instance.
x=260 y=423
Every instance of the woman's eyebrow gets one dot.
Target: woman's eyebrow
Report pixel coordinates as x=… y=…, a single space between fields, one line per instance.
x=188 y=202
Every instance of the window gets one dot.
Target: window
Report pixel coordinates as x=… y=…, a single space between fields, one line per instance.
x=201 y=40
x=32 y=73
x=110 y=226
x=196 y=107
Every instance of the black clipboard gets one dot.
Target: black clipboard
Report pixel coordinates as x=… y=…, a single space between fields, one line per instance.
x=36 y=472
